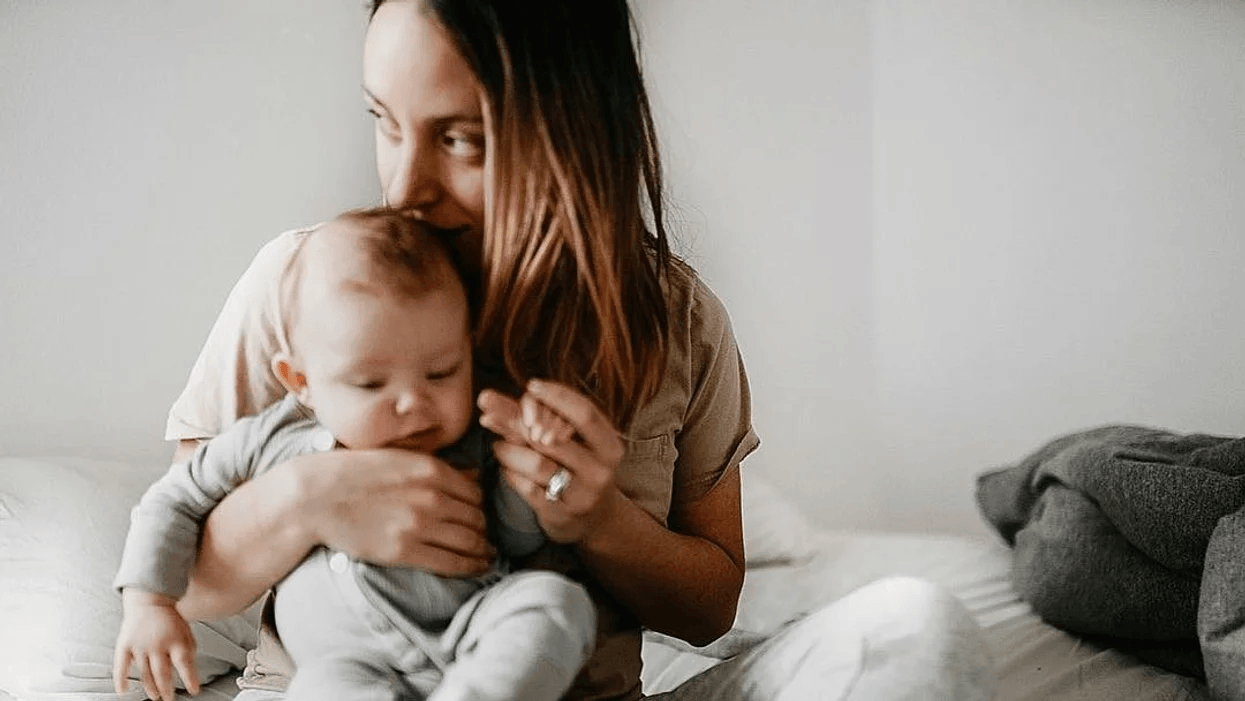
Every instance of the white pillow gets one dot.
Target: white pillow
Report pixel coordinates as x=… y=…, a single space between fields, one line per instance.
x=776 y=532
x=62 y=527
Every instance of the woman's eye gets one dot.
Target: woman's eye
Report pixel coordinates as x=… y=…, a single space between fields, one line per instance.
x=464 y=145
x=385 y=125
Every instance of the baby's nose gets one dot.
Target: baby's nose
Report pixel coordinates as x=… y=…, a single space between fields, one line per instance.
x=407 y=402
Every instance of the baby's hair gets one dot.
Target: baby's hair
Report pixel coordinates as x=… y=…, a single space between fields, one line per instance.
x=407 y=258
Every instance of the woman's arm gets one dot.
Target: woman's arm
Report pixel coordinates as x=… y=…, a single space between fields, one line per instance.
x=383 y=506
x=684 y=580
x=252 y=539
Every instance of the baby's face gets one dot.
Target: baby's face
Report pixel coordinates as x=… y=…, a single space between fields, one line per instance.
x=385 y=371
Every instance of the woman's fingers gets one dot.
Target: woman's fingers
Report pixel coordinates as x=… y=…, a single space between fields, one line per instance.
x=396 y=507
x=454 y=538
x=525 y=462
x=448 y=563
x=501 y=415
x=426 y=471
x=528 y=488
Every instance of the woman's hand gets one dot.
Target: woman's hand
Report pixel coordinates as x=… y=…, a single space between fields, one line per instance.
x=550 y=429
x=383 y=506
x=397 y=507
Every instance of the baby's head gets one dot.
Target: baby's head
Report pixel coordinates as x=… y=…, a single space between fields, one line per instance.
x=380 y=343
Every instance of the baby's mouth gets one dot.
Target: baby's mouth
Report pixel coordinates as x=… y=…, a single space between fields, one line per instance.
x=420 y=441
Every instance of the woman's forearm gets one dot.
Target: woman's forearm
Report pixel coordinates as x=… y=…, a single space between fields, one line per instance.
x=250 y=541
x=686 y=586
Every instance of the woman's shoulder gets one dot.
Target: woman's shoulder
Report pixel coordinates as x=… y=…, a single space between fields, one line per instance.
x=231 y=377
x=696 y=311
x=261 y=279
x=277 y=251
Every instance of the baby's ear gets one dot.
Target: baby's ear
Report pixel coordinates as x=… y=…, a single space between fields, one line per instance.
x=290 y=375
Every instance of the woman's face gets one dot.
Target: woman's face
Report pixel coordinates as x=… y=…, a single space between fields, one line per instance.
x=430 y=131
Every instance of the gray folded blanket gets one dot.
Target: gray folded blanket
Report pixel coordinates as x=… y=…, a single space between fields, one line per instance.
x=1133 y=537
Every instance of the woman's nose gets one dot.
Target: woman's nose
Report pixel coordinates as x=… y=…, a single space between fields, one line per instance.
x=415 y=183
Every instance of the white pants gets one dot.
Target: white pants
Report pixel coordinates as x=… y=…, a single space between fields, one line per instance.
x=897 y=639
x=520 y=639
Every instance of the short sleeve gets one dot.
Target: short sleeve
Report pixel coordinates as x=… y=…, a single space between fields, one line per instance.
x=717 y=432
x=232 y=376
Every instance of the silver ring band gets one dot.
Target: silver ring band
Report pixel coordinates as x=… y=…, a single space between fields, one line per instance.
x=558 y=484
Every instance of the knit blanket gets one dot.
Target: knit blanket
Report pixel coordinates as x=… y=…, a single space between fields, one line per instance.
x=1133 y=537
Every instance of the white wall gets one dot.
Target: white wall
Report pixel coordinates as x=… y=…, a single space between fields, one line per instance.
x=987 y=223
x=147 y=151
x=765 y=113
x=945 y=231
x=1060 y=230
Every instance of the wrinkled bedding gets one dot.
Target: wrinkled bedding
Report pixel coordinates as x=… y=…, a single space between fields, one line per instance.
x=61 y=631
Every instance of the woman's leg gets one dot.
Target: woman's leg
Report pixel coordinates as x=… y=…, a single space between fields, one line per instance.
x=895 y=639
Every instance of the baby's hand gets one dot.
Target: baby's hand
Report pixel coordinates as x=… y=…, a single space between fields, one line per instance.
x=156 y=638
x=527 y=420
x=544 y=426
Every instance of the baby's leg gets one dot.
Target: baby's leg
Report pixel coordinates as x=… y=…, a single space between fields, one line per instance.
x=523 y=639
x=342 y=646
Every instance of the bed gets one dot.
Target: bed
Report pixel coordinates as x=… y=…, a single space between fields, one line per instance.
x=62 y=524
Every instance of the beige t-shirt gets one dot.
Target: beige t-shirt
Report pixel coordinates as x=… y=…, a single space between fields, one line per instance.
x=679 y=446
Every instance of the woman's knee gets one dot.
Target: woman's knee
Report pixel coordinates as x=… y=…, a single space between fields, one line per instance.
x=894 y=609
x=910 y=599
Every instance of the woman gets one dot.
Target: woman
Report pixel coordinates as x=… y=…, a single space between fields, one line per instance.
x=522 y=131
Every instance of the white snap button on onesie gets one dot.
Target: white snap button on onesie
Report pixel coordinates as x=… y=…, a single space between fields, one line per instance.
x=323 y=441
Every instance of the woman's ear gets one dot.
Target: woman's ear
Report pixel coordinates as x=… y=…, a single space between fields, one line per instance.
x=290 y=375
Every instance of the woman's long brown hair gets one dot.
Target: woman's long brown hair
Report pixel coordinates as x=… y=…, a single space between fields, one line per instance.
x=571 y=267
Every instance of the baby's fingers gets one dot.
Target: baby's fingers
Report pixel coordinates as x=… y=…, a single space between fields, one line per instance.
x=184 y=661
x=144 y=673
x=544 y=425
x=162 y=672
x=121 y=668
x=555 y=429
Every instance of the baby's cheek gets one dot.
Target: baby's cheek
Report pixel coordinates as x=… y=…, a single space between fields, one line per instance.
x=364 y=430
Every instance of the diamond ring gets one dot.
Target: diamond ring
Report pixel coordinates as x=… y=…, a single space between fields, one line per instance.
x=558 y=484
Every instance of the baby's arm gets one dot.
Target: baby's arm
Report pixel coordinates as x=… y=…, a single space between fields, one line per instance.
x=159 y=552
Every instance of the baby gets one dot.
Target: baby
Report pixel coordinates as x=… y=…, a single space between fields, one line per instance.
x=380 y=356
